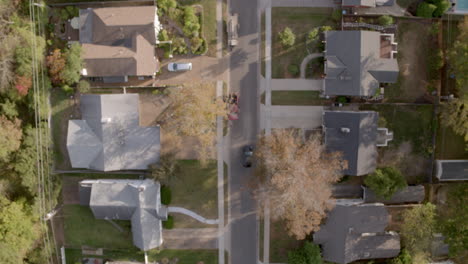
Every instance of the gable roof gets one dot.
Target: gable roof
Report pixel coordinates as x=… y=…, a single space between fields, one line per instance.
x=109 y=136
x=119 y=41
x=410 y=194
x=354 y=134
x=354 y=232
x=452 y=170
x=135 y=200
x=366 y=3
x=353 y=65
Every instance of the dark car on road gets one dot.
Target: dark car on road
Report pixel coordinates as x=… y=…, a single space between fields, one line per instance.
x=247 y=156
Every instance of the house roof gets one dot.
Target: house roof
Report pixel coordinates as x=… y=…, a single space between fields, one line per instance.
x=410 y=194
x=366 y=3
x=354 y=134
x=135 y=200
x=354 y=232
x=119 y=41
x=353 y=65
x=452 y=170
x=109 y=137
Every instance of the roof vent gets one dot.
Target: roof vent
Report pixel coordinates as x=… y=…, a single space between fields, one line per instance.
x=141 y=188
x=366 y=254
x=106 y=120
x=345 y=130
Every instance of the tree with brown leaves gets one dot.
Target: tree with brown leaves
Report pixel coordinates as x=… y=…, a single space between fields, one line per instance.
x=56 y=63
x=296 y=177
x=192 y=113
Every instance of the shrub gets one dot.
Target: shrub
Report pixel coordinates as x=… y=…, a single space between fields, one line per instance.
x=309 y=253
x=425 y=10
x=313 y=35
x=336 y=15
x=294 y=69
x=342 y=99
x=169 y=223
x=179 y=46
x=163 y=36
x=442 y=6
x=72 y=11
x=287 y=37
x=83 y=86
x=67 y=89
x=435 y=61
x=165 y=5
x=403 y=258
x=385 y=20
x=385 y=182
x=166 y=195
x=191 y=22
x=196 y=44
x=74 y=63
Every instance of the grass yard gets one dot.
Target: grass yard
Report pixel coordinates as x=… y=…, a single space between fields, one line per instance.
x=450 y=145
x=62 y=108
x=300 y=20
x=82 y=229
x=184 y=256
x=281 y=243
x=415 y=42
x=294 y=98
x=195 y=187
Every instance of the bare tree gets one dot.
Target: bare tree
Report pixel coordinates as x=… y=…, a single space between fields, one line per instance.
x=296 y=177
x=192 y=113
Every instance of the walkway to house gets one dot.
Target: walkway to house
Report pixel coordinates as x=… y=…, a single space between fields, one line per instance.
x=394 y=10
x=306 y=60
x=192 y=214
x=191 y=238
x=305 y=3
x=296 y=84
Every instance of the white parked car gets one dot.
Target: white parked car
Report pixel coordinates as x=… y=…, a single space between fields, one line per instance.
x=173 y=67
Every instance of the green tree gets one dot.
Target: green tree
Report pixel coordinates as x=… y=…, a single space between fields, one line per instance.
x=166 y=5
x=8 y=108
x=455 y=115
x=458 y=56
x=74 y=63
x=403 y=258
x=10 y=137
x=191 y=22
x=418 y=228
x=308 y=254
x=425 y=10
x=454 y=224
x=442 y=6
x=17 y=231
x=83 y=86
x=23 y=52
x=385 y=20
x=385 y=181
x=287 y=37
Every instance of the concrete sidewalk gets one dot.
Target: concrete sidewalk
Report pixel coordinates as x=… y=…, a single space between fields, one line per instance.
x=296 y=84
x=305 y=3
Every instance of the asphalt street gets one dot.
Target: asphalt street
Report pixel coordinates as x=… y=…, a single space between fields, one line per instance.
x=243 y=79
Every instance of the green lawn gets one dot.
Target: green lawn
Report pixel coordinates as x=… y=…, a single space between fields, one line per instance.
x=450 y=145
x=195 y=187
x=185 y=256
x=409 y=123
x=294 y=98
x=82 y=229
x=62 y=108
x=281 y=242
x=301 y=20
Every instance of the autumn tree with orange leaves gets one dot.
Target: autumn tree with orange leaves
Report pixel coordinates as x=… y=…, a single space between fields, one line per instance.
x=296 y=177
x=56 y=63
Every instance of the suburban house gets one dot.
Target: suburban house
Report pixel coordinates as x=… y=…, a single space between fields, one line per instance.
x=136 y=200
x=366 y=3
x=119 y=42
x=355 y=231
x=109 y=137
x=356 y=135
x=452 y=170
x=357 y=62
x=410 y=194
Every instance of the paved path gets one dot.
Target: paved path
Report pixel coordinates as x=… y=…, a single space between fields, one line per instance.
x=296 y=84
x=306 y=60
x=305 y=3
x=187 y=238
x=340 y=191
x=180 y=210
x=220 y=168
x=304 y=117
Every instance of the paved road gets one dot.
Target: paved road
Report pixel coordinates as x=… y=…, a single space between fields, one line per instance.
x=243 y=79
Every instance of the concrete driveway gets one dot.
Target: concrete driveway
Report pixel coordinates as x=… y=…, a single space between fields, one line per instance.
x=190 y=238
x=204 y=68
x=304 y=117
x=296 y=84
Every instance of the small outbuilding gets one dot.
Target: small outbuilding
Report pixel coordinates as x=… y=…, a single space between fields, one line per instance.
x=452 y=170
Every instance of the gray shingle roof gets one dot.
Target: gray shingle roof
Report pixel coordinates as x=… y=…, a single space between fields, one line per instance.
x=410 y=194
x=354 y=232
x=354 y=134
x=353 y=65
x=452 y=170
x=135 y=200
x=119 y=41
x=109 y=136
